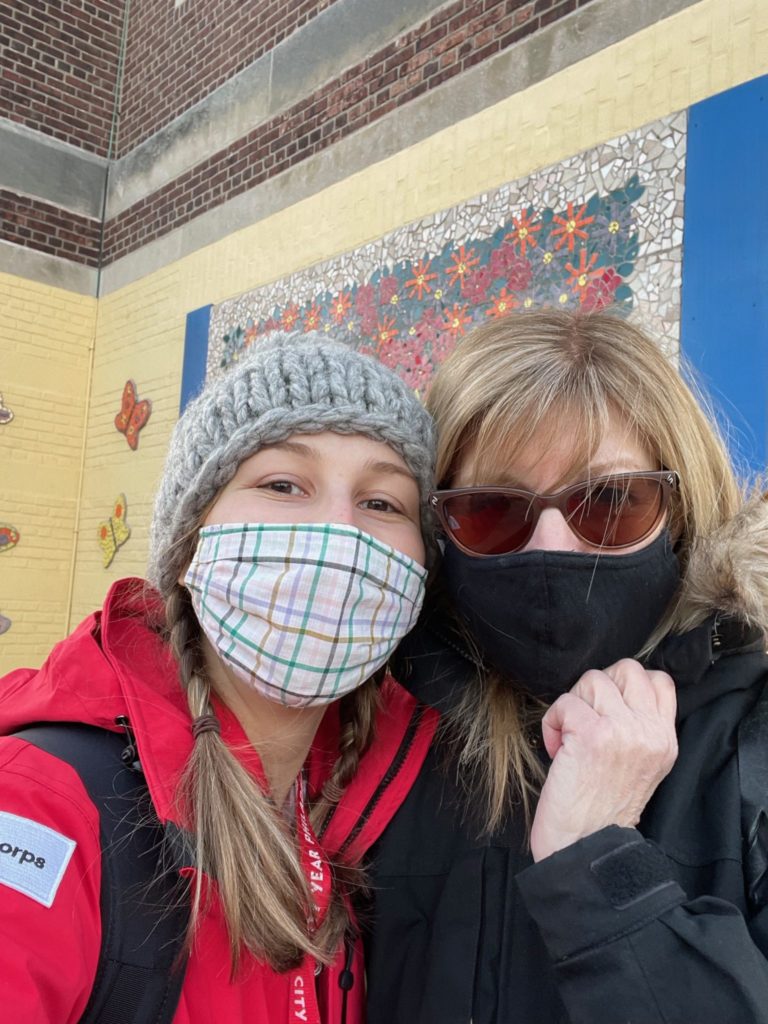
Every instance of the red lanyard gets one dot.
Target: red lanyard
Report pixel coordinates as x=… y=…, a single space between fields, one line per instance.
x=303 y=1007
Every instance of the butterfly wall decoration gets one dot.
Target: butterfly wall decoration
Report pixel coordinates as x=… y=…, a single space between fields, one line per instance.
x=114 y=532
x=5 y=624
x=6 y=414
x=9 y=537
x=133 y=414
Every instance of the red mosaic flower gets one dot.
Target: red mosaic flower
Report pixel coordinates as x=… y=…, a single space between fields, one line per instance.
x=502 y=260
x=365 y=298
x=599 y=292
x=407 y=360
x=475 y=287
x=365 y=304
x=427 y=327
x=442 y=345
x=519 y=274
x=388 y=287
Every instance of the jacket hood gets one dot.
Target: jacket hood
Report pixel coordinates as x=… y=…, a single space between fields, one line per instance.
x=113 y=665
x=727 y=571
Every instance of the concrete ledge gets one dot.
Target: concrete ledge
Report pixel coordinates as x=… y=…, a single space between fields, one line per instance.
x=45 y=269
x=338 y=38
x=575 y=37
x=40 y=167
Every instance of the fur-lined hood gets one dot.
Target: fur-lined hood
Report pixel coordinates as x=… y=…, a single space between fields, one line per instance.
x=727 y=571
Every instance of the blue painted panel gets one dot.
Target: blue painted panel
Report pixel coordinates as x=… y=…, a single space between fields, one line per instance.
x=724 y=327
x=195 y=354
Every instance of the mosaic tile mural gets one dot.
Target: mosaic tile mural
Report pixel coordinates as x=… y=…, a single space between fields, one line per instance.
x=603 y=228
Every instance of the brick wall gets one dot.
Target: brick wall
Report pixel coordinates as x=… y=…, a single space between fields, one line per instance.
x=178 y=55
x=58 y=75
x=456 y=38
x=47 y=228
x=58 y=66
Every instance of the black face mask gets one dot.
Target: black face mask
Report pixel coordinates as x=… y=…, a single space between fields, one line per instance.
x=543 y=618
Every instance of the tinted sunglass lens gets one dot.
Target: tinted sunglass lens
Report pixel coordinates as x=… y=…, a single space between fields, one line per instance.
x=489 y=523
x=616 y=512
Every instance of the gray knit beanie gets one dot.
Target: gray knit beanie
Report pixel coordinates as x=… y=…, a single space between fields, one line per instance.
x=283 y=386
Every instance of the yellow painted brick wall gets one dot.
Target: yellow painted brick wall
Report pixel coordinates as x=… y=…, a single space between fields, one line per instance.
x=704 y=49
x=46 y=336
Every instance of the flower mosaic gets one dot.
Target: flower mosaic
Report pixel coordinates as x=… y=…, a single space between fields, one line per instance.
x=603 y=228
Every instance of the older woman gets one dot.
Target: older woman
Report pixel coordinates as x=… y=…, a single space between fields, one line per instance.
x=584 y=843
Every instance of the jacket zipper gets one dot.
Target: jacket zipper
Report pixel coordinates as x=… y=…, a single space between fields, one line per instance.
x=130 y=755
x=347 y=978
x=397 y=763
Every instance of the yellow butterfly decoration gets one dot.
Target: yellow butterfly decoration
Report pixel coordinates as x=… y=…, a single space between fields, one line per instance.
x=114 y=533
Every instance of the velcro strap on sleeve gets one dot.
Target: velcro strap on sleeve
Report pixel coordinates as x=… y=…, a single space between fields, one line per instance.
x=631 y=872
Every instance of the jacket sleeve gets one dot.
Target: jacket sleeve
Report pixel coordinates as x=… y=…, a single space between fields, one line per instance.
x=50 y=876
x=627 y=944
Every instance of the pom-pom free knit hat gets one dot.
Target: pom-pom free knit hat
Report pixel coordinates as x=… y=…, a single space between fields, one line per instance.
x=283 y=386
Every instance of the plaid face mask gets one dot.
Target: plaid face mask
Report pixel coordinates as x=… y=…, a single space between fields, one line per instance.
x=303 y=614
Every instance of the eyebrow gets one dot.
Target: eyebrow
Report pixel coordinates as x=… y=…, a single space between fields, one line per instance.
x=384 y=466
x=371 y=466
x=295 y=447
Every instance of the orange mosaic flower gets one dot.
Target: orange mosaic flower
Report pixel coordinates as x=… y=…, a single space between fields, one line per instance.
x=525 y=231
x=571 y=227
x=463 y=262
x=583 y=273
x=385 y=331
x=289 y=317
x=312 y=318
x=503 y=304
x=339 y=307
x=456 y=320
x=419 y=283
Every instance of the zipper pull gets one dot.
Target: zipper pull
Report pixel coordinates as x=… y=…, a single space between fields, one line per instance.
x=346 y=977
x=130 y=755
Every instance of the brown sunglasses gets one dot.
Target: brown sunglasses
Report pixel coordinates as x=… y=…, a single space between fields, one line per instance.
x=614 y=511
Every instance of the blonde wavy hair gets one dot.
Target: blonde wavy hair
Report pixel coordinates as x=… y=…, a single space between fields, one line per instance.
x=547 y=374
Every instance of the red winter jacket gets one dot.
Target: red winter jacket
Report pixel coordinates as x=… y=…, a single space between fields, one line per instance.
x=115 y=664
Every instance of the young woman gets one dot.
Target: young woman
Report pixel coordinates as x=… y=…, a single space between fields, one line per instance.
x=586 y=840
x=288 y=561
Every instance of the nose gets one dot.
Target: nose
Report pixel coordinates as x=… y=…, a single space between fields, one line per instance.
x=340 y=510
x=552 y=533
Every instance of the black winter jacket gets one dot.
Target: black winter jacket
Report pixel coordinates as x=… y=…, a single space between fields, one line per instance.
x=652 y=925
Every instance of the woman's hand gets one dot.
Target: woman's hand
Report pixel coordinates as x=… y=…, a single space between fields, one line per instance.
x=612 y=740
